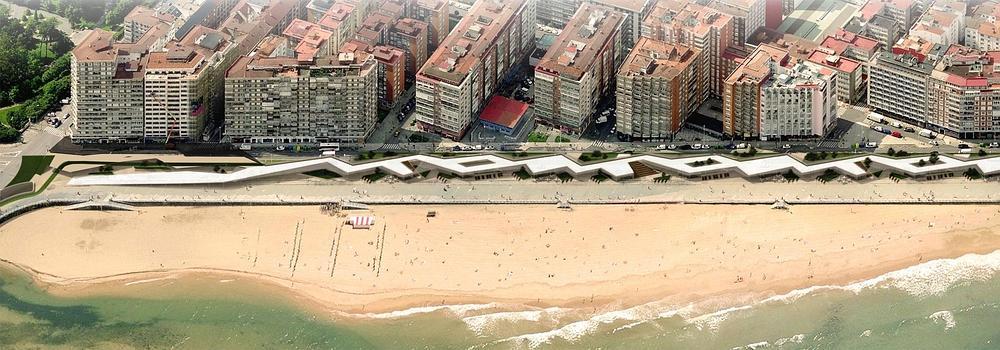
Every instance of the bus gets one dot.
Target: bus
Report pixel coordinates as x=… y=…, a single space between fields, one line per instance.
x=329 y=146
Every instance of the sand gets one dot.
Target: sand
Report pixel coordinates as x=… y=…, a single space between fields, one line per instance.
x=587 y=257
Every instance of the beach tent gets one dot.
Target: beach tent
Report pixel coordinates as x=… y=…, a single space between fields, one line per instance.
x=362 y=221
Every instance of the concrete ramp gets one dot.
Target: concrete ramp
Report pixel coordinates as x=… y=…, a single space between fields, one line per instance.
x=101 y=205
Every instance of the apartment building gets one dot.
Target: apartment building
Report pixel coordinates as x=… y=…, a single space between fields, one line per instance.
x=163 y=85
x=962 y=94
x=556 y=13
x=411 y=35
x=179 y=82
x=375 y=29
x=435 y=14
x=280 y=100
x=635 y=11
x=857 y=47
x=798 y=101
x=391 y=70
x=748 y=16
x=850 y=73
x=578 y=69
x=658 y=85
x=942 y=23
x=706 y=29
x=457 y=80
x=107 y=95
x=773 y=95
x=982 y=31
x=140 y=20
x=309 y=39
x=897 y=81
x=340 y=19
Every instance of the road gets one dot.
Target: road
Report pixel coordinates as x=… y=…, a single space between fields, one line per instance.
x=37 y=140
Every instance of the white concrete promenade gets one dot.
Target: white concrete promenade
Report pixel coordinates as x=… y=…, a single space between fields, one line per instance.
x=618 y=168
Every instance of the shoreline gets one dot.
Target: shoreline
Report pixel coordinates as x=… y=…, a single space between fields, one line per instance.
x=634 y=286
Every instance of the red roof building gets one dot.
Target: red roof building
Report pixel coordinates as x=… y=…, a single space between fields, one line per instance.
x=504 y=115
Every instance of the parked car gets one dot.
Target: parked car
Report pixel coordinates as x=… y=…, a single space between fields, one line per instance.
x=897 y=135
x=786 y=146
x=963 y=146
x=897 y=124
x=661 y=147
x=741 y=146
x=994 y=144
x=909 y=129
x=871 y=145
x=671 y=147
x=279 y=148
x=696 y=146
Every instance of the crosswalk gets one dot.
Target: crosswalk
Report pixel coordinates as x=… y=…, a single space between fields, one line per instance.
x=391 y=147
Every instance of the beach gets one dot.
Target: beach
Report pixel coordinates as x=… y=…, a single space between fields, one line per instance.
x=520 y=256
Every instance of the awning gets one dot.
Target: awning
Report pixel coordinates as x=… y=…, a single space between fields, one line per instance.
x=362 y=221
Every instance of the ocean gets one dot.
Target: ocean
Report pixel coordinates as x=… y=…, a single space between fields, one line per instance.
x=941 y=304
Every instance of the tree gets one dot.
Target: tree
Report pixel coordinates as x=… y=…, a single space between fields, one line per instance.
x=921 y=162
x=8 y=135
x=933 y=158
x=891 y=152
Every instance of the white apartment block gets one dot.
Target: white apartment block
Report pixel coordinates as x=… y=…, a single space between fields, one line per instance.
x=798 y=101
x=467 y=68
x=771 y=96
x=897 y=82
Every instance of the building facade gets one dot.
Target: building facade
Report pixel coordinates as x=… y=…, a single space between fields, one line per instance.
x=963 y=94
x=897 y=84
x=411 y=36
x=703 y=28
x=281 y=100
x=107 y=92
x=771 y=96
x=578 y=69
x=469 y=66
x=658 y=87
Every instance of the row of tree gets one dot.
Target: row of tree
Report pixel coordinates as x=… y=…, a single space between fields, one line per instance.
x=86 y=14
x=34 y=69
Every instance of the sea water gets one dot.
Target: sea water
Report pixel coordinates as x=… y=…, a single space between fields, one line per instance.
x=943 y=304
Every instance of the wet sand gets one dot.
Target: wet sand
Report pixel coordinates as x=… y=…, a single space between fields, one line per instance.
x=588 y=257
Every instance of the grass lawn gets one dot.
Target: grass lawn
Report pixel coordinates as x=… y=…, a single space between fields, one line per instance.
x=5 y=114
x=31 y=166
x=535 y=136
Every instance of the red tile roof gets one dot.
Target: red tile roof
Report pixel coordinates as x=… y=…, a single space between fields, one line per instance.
x=503 y=111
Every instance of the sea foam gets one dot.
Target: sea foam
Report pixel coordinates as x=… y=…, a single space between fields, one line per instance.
x=926 y=279
x=945 y=317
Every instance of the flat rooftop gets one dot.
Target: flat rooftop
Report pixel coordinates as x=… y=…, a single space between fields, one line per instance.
x=813 y=20
x=835 y=62
x=757 y=66
x=574 y=52
x=659 y=59
x=636 y=6
x=465 y=46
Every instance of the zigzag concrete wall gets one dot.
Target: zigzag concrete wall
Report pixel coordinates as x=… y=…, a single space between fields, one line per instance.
x=618 y=168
